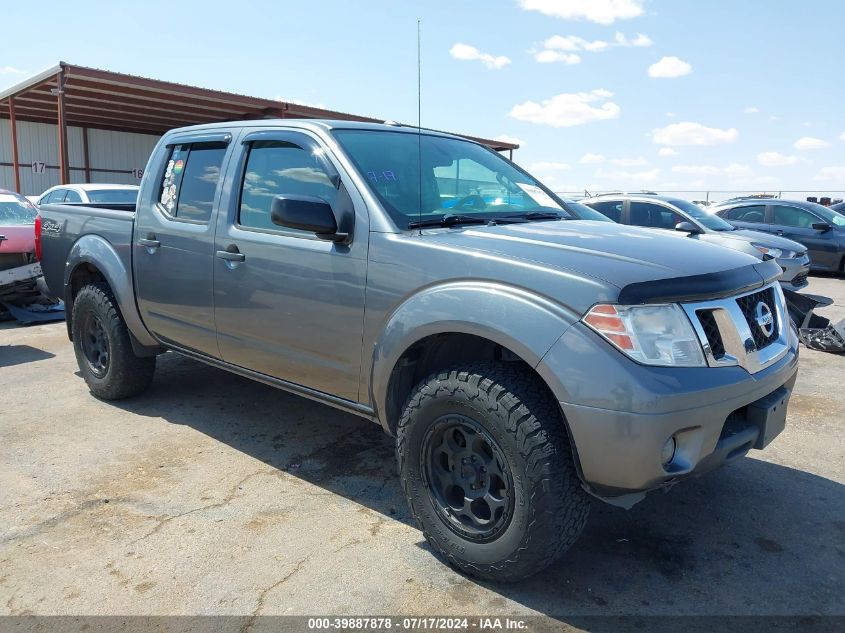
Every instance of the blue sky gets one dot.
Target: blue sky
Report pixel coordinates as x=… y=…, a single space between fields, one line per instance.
x=747 y=95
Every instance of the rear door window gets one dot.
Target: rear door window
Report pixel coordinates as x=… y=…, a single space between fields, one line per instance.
x=190 y=180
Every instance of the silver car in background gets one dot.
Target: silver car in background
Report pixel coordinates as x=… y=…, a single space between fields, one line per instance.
x=665 y=212
x=90 y=193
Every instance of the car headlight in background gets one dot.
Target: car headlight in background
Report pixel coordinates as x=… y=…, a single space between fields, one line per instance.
x=772 y=252
x=653 y=335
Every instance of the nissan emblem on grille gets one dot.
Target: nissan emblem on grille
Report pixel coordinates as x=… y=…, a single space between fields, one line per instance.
x=763 y=316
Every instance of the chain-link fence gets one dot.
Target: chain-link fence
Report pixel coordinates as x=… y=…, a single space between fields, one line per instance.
x=711 y=196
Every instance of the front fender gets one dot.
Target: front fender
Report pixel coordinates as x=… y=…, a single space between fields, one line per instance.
x=523 y=322
x=97 y=252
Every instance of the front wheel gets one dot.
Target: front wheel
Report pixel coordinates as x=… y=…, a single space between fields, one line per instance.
x=488 y=472
x=103 y=349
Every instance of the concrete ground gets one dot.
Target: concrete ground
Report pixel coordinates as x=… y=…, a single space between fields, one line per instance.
x=211 y=494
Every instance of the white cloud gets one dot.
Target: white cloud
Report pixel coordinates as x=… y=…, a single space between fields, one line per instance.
x=466 y=52
x=546 y=166
x=563 y=48
x=667 y=151
x=808 y=142
x=640 y=41
x=592 y=159
x=751 y=110
x=574 y=43
x=506 y=138
x=669 y=68
x=842 y=136
x=307 y=104
x=549 y=57
x=630 y=162
x=635 y=176
x=688 y=133
x=568 y=109
x=737 y=170
x=11 y=70
x=834 y=175
x=671 y=115
x=599 y=11
x=775 y=159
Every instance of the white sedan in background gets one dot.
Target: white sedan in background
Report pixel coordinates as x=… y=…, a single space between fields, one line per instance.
x=90 y=193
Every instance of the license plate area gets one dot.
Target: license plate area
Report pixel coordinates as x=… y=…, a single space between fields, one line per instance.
x=769 y=415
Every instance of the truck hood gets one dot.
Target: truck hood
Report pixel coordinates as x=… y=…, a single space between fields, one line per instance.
x=621 y=256
x=759 y=237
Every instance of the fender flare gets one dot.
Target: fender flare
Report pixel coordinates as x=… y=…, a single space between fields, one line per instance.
x=97 y=252
x=525 y=323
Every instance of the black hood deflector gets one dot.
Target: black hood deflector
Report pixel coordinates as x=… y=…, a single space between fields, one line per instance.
x=701 y=287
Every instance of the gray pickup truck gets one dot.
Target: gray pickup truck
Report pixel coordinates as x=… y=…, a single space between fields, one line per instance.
x=523 y=359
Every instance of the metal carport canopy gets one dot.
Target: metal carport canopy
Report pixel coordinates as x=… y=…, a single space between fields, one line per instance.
x=91 y=98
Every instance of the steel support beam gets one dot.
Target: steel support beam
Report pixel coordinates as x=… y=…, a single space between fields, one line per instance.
x=85 y=158
x=64 y=172
x=16 y=166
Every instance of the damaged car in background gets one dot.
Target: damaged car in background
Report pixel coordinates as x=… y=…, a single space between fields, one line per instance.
x=23 y=294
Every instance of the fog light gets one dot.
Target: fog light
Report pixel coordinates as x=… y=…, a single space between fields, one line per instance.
x=668 y=452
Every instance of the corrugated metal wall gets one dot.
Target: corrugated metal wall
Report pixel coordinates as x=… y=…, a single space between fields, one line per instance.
x=38 y=143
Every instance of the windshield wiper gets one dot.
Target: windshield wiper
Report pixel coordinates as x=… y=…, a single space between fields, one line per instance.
x=536 y=215
x=450 y=219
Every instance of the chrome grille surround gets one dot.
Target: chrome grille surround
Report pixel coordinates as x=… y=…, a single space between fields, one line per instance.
x=735 y=331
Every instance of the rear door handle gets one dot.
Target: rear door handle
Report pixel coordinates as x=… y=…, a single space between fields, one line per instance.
x=231 y=254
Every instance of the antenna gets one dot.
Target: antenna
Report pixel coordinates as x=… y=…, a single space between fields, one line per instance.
x=419 y=121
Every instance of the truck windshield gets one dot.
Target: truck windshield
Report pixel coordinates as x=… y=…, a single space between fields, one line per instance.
x=16 y=211
x=457 y=177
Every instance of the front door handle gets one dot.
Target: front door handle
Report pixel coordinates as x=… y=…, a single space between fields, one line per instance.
x=231 y=254
x=150 y=241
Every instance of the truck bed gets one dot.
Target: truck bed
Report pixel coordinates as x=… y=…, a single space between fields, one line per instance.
x=62 y=226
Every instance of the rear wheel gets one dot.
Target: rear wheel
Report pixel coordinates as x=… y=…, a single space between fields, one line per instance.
x=103 y=349
x=488 y=472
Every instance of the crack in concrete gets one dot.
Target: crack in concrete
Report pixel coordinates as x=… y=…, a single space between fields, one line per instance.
x=231 y=496
x=262 y=596
x=54 y=521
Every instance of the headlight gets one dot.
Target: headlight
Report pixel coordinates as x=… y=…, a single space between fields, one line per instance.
x=771 y=252
x=652 y=335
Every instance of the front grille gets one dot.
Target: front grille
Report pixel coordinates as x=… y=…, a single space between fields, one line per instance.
x=800 y=279
x=748 y=306
x=711 y=331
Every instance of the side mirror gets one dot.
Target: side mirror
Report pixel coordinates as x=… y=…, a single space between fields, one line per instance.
x=307 y=213
x=824 y=227
x=687 y=227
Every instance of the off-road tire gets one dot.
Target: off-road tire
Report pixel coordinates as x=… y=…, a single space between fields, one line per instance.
x=550 y=507
x=125 y=373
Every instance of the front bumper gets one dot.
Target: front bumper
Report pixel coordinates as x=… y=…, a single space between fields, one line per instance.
x=620 y=414
x=795 y=272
